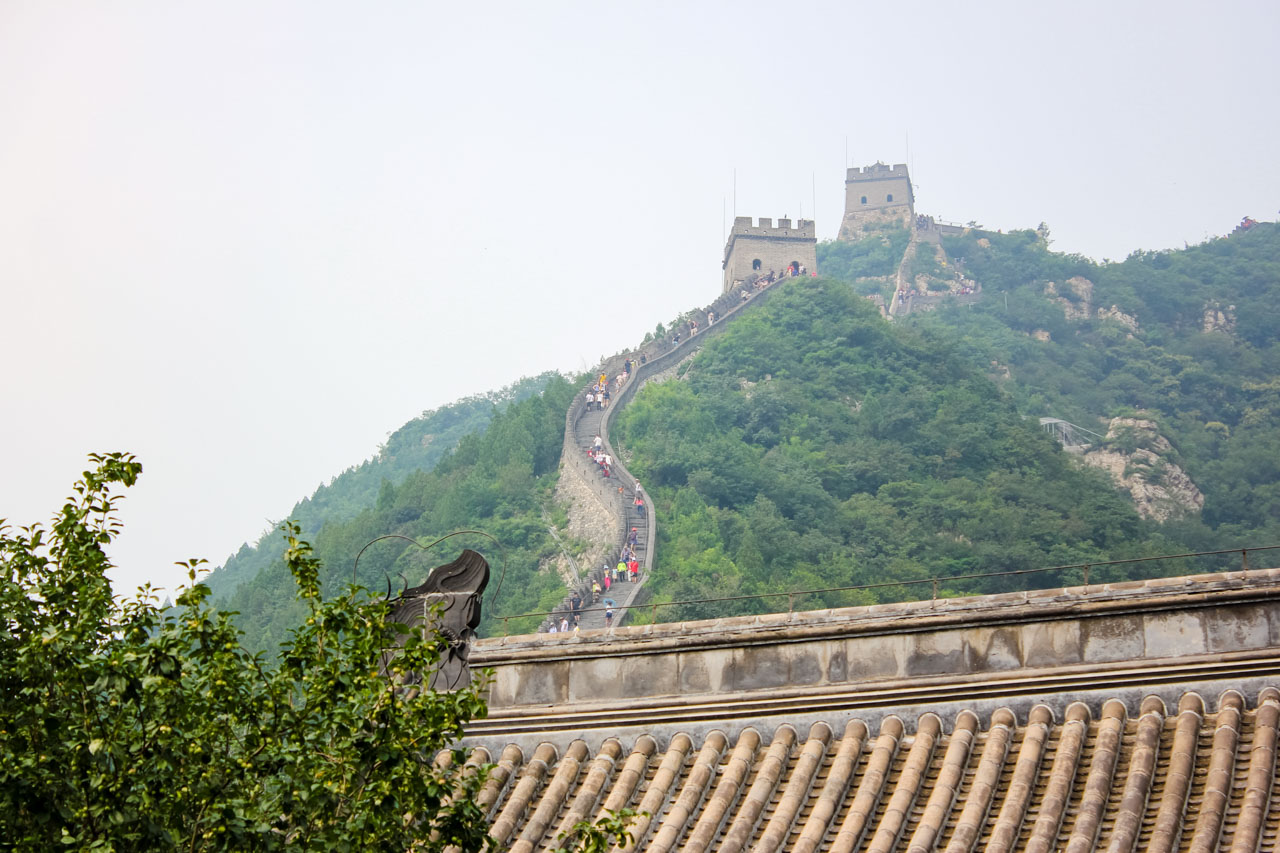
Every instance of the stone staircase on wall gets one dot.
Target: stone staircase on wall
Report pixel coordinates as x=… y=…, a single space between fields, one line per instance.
x=930 y=239
x=613 y=496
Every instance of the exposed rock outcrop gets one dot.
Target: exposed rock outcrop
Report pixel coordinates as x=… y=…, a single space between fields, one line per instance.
x=1137 y=458
x=1077 y=306
x=861 y=224
x=1129 y=321
x=1075 y=296
x=1219 y=319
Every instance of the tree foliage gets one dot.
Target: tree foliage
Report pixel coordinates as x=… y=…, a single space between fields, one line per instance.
x=812 y=445
x=416 y=446
x=128 y=726
x=1214 y=393
x=498 y=480
x=875 y=256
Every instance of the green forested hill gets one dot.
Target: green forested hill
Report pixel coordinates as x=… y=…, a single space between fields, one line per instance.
x=1215 y=394
x=416 y=446
x=497 y=480
x=814 y=445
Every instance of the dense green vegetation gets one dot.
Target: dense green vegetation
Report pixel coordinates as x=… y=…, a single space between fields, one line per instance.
x=498 y=481
x=416 y=446
x=1215 y=395
x=813 y=445
x=867 y=263
x=125 y=726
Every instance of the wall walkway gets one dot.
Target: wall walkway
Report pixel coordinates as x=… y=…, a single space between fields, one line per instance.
x=615 y=494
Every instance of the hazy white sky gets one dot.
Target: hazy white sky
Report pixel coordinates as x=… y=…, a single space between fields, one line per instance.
x=246 y=240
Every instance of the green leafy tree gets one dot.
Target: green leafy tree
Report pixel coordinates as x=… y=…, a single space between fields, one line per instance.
x=128 y=726
x=607 y=832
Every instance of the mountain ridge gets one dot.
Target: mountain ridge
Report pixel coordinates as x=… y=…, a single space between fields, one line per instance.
x=978 y=359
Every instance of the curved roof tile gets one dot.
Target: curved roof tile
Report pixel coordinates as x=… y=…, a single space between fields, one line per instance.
x=1193 y=780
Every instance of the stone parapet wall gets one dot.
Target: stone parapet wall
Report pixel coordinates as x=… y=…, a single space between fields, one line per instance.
x=660 y=355
x=1147 y=623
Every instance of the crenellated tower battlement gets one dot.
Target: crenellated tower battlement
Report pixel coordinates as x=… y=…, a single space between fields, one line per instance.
x=877 y=171
x=765 y=247
x=876 y=195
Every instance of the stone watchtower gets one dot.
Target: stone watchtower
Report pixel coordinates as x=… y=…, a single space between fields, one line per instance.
x=876 y=195
x=756 y=250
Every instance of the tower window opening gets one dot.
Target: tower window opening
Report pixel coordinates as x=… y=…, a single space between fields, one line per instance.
x=755 y=265
x=890 y=198
x=864 y=199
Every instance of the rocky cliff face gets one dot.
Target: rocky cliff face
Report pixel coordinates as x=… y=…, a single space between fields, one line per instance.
x=1218 y=318
x=1137 y=457
x=1129 y=321
x=1075 y=296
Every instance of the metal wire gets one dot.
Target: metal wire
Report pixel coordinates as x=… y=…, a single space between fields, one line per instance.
x=502 y=576
x=1086 y=567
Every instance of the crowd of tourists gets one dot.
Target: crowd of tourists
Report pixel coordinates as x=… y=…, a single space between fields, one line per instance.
x=625 y=570
x=603 y=388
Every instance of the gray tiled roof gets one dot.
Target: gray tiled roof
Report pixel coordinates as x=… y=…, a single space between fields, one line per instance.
x=1189 y=777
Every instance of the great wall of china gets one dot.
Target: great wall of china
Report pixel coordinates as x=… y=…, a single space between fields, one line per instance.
x=1142 y=715
x=600 y=508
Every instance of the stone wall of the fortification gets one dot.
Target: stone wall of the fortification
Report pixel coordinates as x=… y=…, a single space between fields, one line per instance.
x=877 y=192
x=596 y=509
x=860 y=223
x=888 y=200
